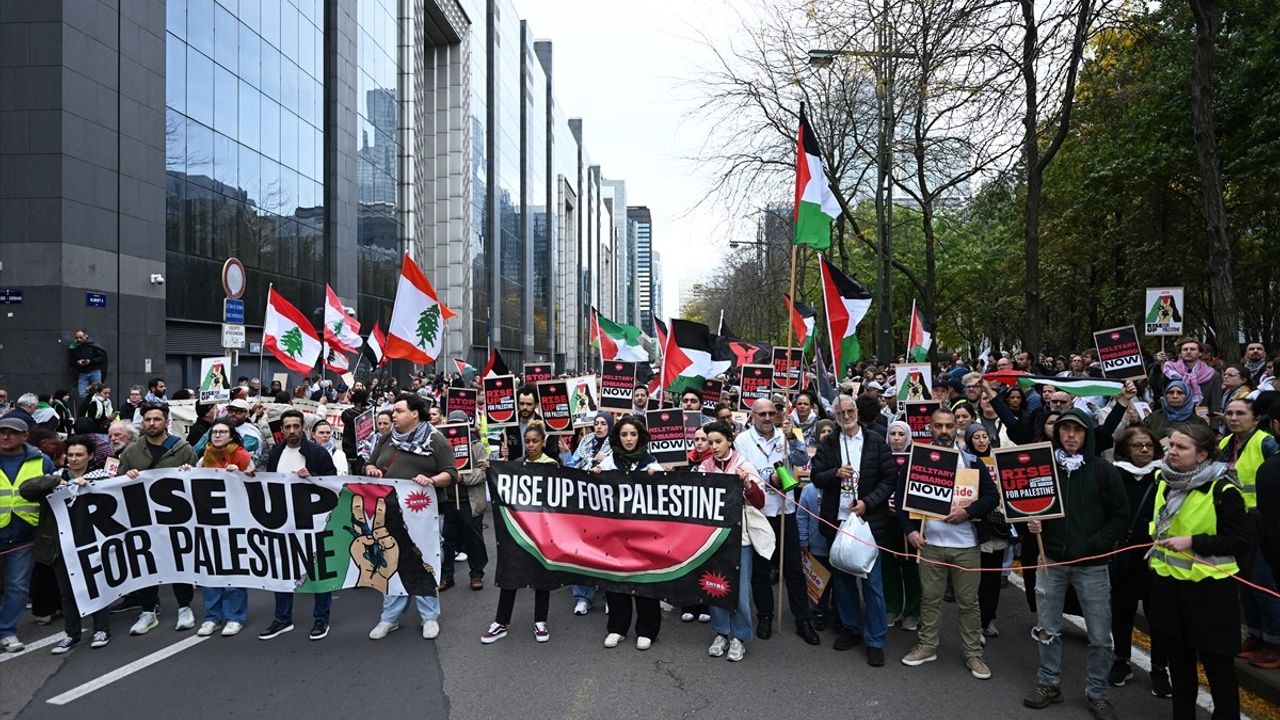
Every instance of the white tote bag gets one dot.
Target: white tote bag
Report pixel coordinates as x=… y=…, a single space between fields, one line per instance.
x=854 y=550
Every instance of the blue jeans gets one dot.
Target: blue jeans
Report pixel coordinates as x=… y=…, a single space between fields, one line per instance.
x=1261 y=611
x=1093 y=588
x=17 y=583
x=584 y=592
x=737 y=622
x=225 y=604
x=393 y=606
x=284 y=606
x=849 y=604
x=87 y=378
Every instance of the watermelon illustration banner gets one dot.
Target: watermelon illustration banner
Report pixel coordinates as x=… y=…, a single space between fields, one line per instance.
x=463 y=399
x=786 y=368
x=1120 y=353
x=757 y=384
x=553 y=401
x=500 y=401
x=1028 y=480
x=920 y=419
x=671 y=535
x=931 y=480
x=1163 y=311
x=617 y=381
x=269 y=531
x=914 y=381
x=536 y=372
x=458 y=436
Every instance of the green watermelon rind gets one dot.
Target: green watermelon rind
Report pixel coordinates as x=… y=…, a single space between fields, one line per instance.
x=709 y=548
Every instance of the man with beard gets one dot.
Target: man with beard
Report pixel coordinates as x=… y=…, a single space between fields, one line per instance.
x=1255 y=360
x=122 y=435
x=526 y=411
x=952 y=541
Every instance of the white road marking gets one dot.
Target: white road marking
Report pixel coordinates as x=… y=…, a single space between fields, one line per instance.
x=125 y=671
x=32 y=647
x=1138 y=656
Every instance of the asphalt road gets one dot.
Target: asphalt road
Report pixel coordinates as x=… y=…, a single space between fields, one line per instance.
x=347 y=675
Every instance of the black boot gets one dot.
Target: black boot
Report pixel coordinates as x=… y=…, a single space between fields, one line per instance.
x=806 y=632
x=764 y=627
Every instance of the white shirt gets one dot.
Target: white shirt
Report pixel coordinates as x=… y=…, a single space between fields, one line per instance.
x=761 y=453
x=291 y=460
x=944 y=534
x=851 y=455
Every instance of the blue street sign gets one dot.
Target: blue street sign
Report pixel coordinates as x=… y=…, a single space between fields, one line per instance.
x=233 y=311
x=10 y=296
x=95 y=300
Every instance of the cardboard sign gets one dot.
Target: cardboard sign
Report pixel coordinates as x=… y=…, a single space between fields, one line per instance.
x=966 y=490
x=500 y=400
x=816 y=577
x=786 y=368
x=364 y=426
x=282 y=378
x=584 y=403
x=459 y=439
x=463 y=399
x=669 y=441
x=757 y=384
x=617 y=380
x=215 y=387
x=1164 y=311
x=553 y=401
x=1120 y=353
x=920 y=418
x=1028 y=481
x=931 y=480
x=711 y=390
x=914 y=381
x=536 y=372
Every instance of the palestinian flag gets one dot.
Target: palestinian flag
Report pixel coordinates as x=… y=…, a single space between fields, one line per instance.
x=846 y=301
x=660 y=332
x=826 y=381
x=288 y=334
x=373 y=347
x=687 y=361
x=1074 y=386
x=616 y=341
x=335 y=362
x=495 y=366
x=465 y=369
x=341 y=330
x=417 y=319
x=816 y=206
x=803 y=321
x=918 y=341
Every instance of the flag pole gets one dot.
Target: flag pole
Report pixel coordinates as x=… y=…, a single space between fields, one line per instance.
x=262 y=343
x=786 y=455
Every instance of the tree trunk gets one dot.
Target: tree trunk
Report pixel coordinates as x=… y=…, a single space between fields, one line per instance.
x=1034 y=318
x=1208 y=15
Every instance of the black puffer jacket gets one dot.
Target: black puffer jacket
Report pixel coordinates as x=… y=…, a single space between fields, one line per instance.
x=877 y=480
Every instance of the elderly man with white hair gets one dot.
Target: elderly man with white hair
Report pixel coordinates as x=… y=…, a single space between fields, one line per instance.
x=122 y=434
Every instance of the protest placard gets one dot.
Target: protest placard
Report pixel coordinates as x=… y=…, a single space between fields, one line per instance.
x=500 y=401
x=215 y=387
x=584 y=402
x=1120 y=353
x=553 y=402
x=816 y=577
x=931 y=480
x=1164 y=309
x=1028 y=479
x=463 y=400
x=757 y=384
x=711 y=390
x=364 y=425
x=669 y=440
x=536 y=372
x=617 y=380
x=786 y=368
x=914 y=381
x=919 y=416
x=458 y=435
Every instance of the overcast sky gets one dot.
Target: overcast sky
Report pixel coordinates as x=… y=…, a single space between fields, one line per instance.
x=624 y=67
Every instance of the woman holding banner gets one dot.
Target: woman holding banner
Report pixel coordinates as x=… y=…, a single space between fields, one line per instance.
x=629 y=452
x=591 y=449
x=733 y=627
x=900 y=573
x=225 y=450
x=535 y=445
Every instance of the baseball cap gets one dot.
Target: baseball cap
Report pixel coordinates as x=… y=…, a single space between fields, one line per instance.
x=239 y=404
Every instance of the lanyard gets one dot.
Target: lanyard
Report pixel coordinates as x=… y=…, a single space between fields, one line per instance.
x=772 y=446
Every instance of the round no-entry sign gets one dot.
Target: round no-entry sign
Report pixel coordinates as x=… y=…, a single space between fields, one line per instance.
x=233 y=278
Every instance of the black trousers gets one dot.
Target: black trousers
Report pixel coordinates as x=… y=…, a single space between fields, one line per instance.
x=792 y=573
x=1219 y=669
x=462 y=531
x=1131 y=583
x=507 y=605
x=44 y=595
x=149 y=598
x=695 y=609
x=71 y=615
x=989 y=586
x=647 y=612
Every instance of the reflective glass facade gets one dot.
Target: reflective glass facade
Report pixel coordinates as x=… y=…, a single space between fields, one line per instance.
x=536 y=188
x=244 y=151
x=506 y=49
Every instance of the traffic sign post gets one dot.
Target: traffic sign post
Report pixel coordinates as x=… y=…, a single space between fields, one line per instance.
x=232 y=336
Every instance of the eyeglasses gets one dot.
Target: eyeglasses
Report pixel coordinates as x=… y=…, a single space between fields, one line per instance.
x=846 y=412
x=219 y=432
x=769 y=413
x=1059 y=402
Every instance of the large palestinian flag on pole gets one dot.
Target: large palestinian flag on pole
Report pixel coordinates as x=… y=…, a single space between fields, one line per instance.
x=495 y=366
x=846 y=301
x=616 y=341
x=803 y=320
x=816 y=206
x=918 y=341
x=687 y=361
x=288 y=334
x=417 y=319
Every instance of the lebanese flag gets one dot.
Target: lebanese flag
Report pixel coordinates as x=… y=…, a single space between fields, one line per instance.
x=335 y=362
x=687 y=360
x=288 y=334
x=918 y=341
x=495 y=366
x=374 y=346
x=616 y=341
x=341 y=330
x=803 y=321
x=417 y=320
x=816 y=206
x=846 y=301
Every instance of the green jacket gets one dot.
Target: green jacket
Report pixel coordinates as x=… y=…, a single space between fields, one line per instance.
x=1097 y=506
x=138 y=457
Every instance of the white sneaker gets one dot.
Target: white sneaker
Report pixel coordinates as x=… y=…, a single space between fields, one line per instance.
x=207 y=628
x=186 y=619
x=582 y=607
x=717 y=646
x=147 y=622
x=430 y=629
x=232 y=628
x=65 y=645
x=686 y=617
x=11 y=643
x=101 y=638
x=612 y=639
x=540 y=632
x=704 y=618
x=380 y=630
x=736 y=650
x=643 y=643
x=665 y=606
x=460 y=557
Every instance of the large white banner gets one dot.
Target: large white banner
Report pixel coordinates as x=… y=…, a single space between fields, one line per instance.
x=271 y=531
